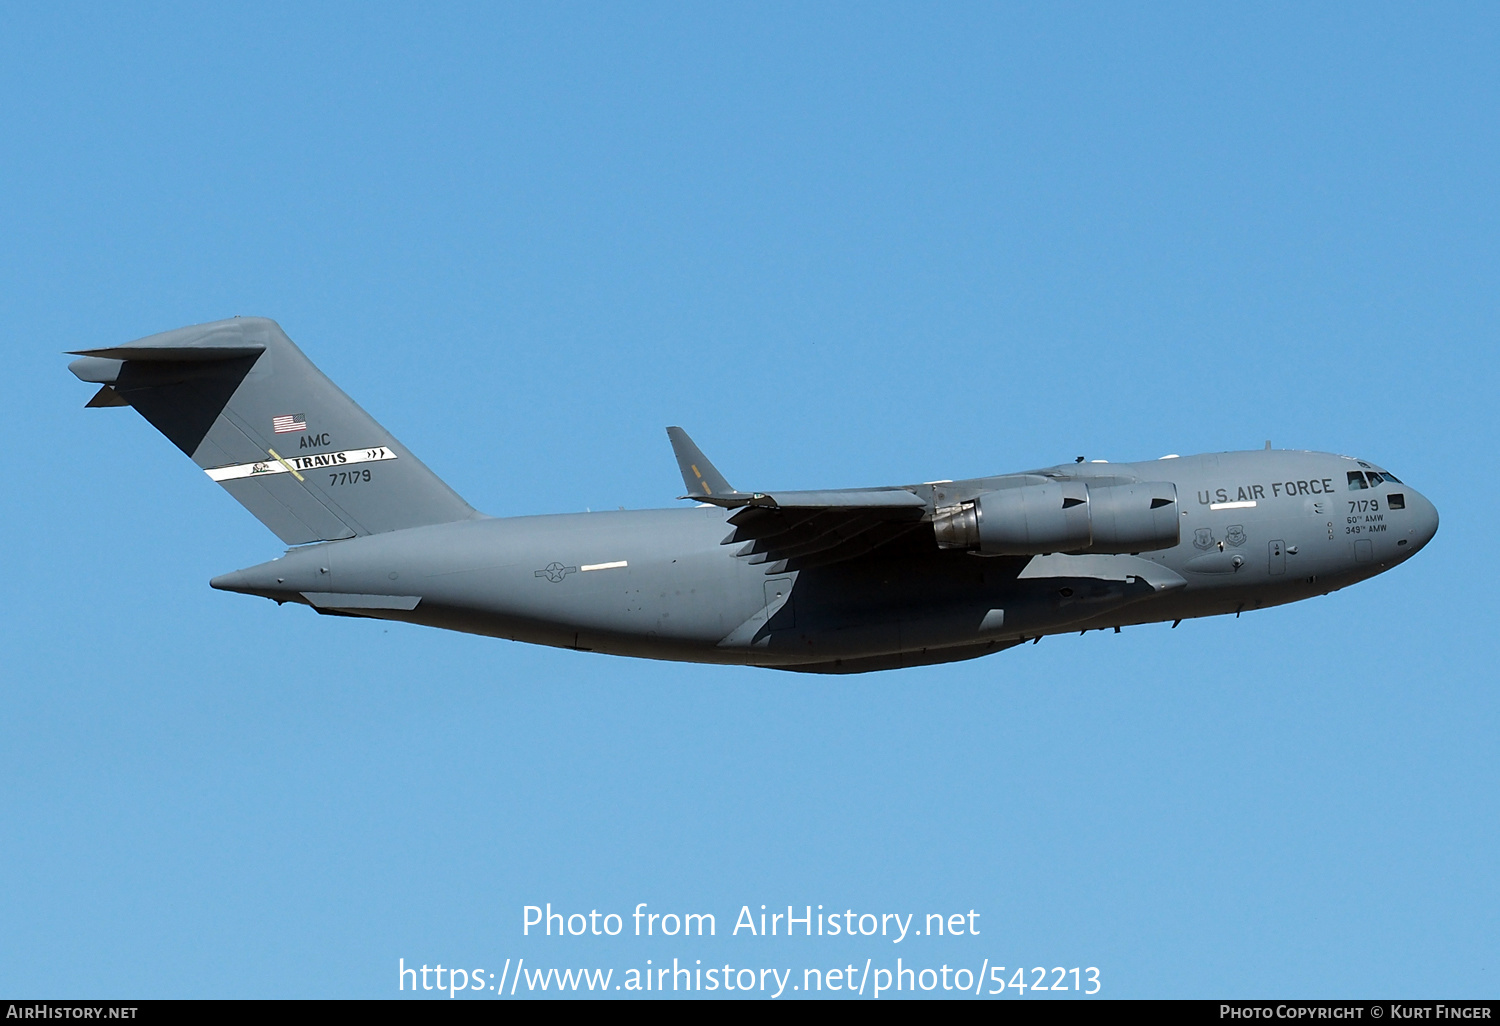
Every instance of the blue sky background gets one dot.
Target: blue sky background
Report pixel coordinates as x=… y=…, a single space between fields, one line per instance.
x=842 y=245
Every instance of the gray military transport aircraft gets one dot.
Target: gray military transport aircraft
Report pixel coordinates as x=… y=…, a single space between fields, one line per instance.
x=837 y=581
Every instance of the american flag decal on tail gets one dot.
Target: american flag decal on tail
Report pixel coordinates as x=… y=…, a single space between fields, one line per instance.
x=290 y=422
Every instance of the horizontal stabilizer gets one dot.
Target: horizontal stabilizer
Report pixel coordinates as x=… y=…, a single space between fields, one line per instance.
x=194 y=353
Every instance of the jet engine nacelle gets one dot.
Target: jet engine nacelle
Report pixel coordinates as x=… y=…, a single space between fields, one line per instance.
x=1134 y=517
x=1063 y=516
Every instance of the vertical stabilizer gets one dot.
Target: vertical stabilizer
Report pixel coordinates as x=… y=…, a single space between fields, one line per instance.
x=255 y=414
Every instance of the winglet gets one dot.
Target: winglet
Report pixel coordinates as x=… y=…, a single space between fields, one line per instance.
x=701 y=477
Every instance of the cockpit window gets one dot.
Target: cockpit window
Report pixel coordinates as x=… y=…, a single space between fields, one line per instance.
x=1392 y=478
x=1395 y=500
x=1356 y=481
x=1374 y=477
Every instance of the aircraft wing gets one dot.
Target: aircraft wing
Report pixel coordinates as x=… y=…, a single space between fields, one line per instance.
x=787 y=535
x=798 y=530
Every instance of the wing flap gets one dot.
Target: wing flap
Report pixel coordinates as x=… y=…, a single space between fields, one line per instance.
x=827 y=532
x=797 y=530
x=784 y=538
x=867 y=541
x=878 y=498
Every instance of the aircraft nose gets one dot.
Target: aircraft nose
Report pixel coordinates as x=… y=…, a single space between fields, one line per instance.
x=1424 y=519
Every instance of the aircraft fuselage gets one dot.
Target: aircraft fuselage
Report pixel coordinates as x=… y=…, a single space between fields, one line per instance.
x=1256 y=529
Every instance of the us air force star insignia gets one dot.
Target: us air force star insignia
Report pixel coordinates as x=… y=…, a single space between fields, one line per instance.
x=554 y=572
